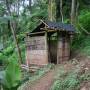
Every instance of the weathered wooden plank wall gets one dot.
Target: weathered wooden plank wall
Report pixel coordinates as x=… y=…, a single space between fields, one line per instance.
x=63 y=49
x=36 y=52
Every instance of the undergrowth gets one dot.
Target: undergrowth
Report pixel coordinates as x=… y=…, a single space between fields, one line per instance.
x=81 y=41
x=86 y=46
x=69 y=80
x=35 y=76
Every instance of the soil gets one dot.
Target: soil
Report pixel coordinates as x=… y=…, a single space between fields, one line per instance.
x=84 y=64
x=47 y=80
x=85 y=86
x=43 y=83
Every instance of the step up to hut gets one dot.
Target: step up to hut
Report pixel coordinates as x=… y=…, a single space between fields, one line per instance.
x=33 y=68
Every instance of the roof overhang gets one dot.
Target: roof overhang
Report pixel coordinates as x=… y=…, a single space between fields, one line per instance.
x=48 y=26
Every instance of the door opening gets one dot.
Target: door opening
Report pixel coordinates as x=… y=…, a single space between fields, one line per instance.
x=52 y=42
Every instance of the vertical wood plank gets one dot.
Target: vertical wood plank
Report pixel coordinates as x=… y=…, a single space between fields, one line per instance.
x=57 y=46
x=46 y=44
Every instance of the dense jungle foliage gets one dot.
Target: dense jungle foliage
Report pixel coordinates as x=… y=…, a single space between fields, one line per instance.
x=17 y=17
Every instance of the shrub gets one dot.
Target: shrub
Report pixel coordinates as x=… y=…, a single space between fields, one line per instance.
x=85 y=20
x=82 y=40
x=8 y=51
x=66 y=80
x=3 y=59
x=69 y=82
x=11 y=76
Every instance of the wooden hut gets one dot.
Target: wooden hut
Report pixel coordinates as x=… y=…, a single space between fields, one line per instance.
x=49 y=42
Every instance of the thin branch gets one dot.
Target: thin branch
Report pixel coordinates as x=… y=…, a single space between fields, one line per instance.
x=84 y=29
x=61 y=10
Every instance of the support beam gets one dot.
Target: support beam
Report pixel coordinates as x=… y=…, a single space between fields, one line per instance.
x=57 y=48
x=46 y=43
x=37 y=33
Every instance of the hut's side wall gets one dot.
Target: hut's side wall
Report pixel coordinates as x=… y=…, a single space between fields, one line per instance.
x=63 y=49
x=36 y=53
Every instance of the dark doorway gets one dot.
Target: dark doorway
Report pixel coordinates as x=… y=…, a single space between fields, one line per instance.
x=52 y=42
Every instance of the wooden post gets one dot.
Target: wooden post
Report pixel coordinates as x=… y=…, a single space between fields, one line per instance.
x=57 y=47
x=63 y=47
x=46 y=44
x=49 y=50
x=27 y=53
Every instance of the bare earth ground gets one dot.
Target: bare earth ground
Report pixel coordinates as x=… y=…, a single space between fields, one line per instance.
x=43 y=83
x=47 y=80
x=84 y=63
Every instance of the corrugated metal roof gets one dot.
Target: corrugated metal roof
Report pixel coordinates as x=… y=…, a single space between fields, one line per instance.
x=57 y=25
x=54 y=25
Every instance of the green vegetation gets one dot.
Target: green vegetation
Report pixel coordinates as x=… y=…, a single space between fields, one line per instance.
x=86 y=46
x=11 y=77
x=17 y=17
x=81 y=40
x=36 y=75
x=70 y=79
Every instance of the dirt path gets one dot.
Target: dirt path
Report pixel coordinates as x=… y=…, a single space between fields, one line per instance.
x=46 y=81
x=43 y=83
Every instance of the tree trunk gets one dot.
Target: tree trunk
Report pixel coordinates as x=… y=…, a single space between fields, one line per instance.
x=30 y=2
x=1 y=39
x=52 y=10
x=23 y=3
x=18 y=7
x=61 y=10
x=12 y=24
x=49 y=10
x=77 y=9
x=12 y=27
x=73 y=12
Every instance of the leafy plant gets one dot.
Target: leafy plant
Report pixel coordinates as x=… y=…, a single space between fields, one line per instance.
x=66 y=80
x=11 y=76
x=81 y=40
x=3 y=59
x=8 y=51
